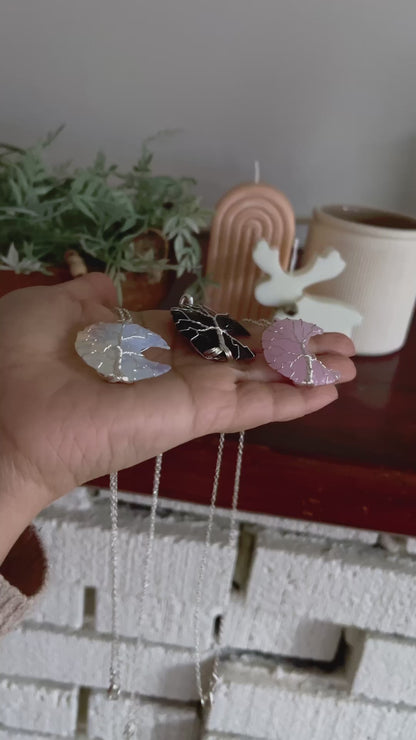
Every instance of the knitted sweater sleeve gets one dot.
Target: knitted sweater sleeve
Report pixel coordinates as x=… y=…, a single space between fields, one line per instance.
x=22 y=576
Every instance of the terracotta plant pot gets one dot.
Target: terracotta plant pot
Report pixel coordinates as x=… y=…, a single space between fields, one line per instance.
x=140 y=294
x=140 y=290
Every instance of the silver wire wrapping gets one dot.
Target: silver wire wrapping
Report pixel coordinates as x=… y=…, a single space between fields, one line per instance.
x=115 y=350
x=212 y=335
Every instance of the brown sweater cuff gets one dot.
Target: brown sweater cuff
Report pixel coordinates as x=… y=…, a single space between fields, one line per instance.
x=13 y=606
x=22 y=575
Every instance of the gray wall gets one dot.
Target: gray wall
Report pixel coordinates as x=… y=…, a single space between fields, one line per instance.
x=322 y=92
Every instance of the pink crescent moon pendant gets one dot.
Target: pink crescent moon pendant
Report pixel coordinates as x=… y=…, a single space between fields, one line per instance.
x=285 y=345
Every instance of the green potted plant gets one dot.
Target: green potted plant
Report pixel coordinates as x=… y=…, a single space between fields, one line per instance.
x=138 y=227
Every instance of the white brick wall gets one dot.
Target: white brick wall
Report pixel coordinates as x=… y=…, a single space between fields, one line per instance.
x=83 y=658
x=177 y=553
x=252 y=702
x=36 y=707
x=385 y=668
x=297 y=580
x=250 y=626
x=60 y=604
x=301 y=589
x=154 y=719
x=10 y=734
x=224 y=736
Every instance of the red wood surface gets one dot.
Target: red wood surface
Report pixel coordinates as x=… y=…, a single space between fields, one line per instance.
x=352 y=463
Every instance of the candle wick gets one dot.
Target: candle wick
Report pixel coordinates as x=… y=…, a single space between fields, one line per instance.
x=294 y=255
x=256 y=172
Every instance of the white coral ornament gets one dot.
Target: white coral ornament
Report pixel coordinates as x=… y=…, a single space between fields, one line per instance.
x=285 y=290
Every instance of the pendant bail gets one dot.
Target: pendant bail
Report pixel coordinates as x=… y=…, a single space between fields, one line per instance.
x=186 y=300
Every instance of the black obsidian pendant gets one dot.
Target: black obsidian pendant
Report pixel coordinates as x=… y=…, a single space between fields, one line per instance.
x=211 y=334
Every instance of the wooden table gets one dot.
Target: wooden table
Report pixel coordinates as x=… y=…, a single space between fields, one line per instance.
x=353 y=463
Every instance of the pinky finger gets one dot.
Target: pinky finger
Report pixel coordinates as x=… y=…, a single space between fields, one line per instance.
x=261 y=403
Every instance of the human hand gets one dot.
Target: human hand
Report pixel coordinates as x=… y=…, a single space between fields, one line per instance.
x=62 y=425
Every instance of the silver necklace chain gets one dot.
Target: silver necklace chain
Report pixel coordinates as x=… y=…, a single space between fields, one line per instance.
x=206 y=699
x=258 y=322
x=150 y=536
x=115 y=667
x=114 y=685
x=133 y=721
x=202 y=573
x=114 y=689
x=115 y=673
x=124 y=315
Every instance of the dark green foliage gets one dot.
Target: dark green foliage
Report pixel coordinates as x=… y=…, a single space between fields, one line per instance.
x=97 y=210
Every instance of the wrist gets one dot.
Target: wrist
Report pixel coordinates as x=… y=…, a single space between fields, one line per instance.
x=20 y=502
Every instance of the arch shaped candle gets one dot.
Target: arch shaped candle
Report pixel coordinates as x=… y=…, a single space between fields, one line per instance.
x=244 y=215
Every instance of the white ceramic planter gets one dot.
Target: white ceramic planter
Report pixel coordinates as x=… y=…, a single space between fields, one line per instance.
x=379 y=280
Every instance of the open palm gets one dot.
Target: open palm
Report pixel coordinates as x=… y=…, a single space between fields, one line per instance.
x=62 y=425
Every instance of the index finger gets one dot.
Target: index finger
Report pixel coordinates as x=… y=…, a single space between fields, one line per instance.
x=92 y=286
x=326 y=343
